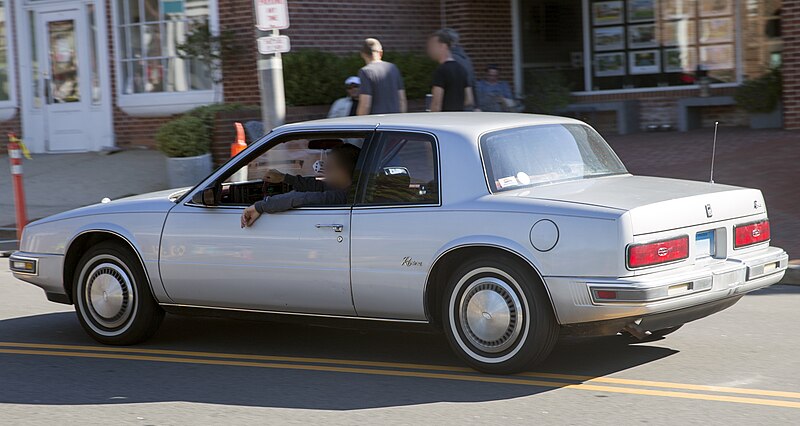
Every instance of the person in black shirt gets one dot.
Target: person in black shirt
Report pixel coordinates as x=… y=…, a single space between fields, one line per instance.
x=451 y=88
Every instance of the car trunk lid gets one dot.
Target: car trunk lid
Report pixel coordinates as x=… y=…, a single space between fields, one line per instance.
x=654 y=204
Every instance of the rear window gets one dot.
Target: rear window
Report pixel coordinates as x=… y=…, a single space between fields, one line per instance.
x=538 y=155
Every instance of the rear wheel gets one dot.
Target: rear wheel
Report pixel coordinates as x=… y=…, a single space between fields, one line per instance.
x=112 y=297
x=497 y=316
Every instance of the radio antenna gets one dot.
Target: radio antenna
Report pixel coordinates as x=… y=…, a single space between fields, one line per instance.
x=714 y=150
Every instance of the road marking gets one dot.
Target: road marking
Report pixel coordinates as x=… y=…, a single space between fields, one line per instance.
x=411 y=366
x=516 y=380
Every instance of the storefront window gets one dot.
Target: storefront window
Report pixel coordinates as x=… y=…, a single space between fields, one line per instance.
x=5 y=85
x=645 y=44
x=150 y=32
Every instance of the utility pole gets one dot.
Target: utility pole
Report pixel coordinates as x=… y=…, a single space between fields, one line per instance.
x=270 y=83
x=271 y=17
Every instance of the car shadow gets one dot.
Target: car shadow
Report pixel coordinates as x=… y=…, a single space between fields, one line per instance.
x=69 y=380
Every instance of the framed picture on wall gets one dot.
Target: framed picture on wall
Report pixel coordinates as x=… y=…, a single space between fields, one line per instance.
x=607 y=13
x=640 y=36
x=715 y=7
x=718 y=57
x=645 y=61
x=717 y=30
x=609 y=64
x=676 y=9
x=680 y=60
x=678 y=33
x=641 y=10
x=609 y=38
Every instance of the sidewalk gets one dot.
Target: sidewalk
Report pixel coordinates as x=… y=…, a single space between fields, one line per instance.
x=58 y=182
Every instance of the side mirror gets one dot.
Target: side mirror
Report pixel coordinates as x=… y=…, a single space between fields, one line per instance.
x=206 y=197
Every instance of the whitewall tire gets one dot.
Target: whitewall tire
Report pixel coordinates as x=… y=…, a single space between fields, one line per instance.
x=112 y=296
x=497 y=316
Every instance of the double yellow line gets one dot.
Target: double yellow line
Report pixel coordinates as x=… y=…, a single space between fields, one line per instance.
x=546 y=380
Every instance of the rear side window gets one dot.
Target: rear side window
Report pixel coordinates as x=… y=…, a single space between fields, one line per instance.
x=404 y=170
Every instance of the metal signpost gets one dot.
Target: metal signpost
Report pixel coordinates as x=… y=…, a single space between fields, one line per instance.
x=271 y=17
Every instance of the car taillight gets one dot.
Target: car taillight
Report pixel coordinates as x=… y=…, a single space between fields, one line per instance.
x=658 y=252
x=751 y=233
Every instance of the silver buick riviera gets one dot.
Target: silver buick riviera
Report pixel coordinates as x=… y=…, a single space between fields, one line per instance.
x=503 y=230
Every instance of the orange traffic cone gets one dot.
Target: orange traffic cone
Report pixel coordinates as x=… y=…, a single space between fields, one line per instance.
x=239 y=145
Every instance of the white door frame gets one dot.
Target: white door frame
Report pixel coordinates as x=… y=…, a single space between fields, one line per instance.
x=98 y=115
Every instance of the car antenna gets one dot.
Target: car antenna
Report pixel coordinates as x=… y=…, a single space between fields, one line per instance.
x=714 y=150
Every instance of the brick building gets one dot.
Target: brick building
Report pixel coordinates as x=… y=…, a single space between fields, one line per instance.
x=89 y=74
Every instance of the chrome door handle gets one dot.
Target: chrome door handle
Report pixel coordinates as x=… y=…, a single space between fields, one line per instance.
x=335 y=226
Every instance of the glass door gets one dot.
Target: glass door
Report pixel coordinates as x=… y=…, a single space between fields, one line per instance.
x=64 y=79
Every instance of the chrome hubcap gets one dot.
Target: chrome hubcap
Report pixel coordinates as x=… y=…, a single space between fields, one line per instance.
x=491 y=314
x=109 y=294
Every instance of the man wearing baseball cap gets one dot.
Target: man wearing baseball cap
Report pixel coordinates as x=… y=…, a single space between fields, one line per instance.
x=347 y=105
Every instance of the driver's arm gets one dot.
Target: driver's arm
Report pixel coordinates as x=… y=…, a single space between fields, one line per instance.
x=304 y=184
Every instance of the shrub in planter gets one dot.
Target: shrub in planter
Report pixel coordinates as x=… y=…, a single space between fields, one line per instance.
x=761 y=98
x=185 y=136
x=546 y=92
x=185 y=142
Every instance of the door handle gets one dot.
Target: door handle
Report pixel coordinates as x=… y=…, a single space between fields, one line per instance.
x=335 y=226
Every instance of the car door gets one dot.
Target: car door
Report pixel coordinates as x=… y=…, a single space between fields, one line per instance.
x=294 y=261
x=394 y=225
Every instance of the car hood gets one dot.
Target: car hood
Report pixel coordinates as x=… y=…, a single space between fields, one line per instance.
x=153 y=202
x=654 y=203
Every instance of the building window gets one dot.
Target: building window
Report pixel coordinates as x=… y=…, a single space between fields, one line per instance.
x=149 y=33
x=5 y=83
x=649 y=44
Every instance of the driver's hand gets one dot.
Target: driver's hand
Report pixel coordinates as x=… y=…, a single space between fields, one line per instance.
x=250 y=216
x=274 y=176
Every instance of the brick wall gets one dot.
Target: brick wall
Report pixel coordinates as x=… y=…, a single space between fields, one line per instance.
x=486 y=33
x=790 y=14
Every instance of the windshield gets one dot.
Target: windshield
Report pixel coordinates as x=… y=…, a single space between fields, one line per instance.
x=537 y=155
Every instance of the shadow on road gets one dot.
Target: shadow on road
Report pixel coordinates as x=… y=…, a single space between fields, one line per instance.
x=36 y=379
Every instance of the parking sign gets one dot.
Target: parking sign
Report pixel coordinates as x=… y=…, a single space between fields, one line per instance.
x=272 y=14
x=273 y=44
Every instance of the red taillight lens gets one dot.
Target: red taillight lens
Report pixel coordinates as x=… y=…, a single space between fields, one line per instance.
x=751 y=233
x=648 y=254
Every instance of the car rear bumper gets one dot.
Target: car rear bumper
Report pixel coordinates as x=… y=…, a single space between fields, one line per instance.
x=584 y=300
x=49 y=273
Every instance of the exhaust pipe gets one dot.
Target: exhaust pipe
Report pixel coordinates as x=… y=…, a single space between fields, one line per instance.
x=636 y=331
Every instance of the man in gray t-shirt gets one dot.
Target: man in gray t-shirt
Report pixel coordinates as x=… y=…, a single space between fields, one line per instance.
x=382 y=90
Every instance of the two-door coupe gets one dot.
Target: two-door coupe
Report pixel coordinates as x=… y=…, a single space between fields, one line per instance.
x=504 y=230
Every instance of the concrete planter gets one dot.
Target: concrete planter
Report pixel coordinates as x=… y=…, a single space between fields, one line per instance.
x=188 y=171
x=769 y=120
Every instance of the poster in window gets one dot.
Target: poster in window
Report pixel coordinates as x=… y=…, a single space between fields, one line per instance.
x=607 y=13
x=715 y=7
x=609 y=38
x=678 y=33
x=645 y=61
x=679 y=60
x=718 y=57
x=718 y=30
x=609 y=64
x=641 y=10
x=677 y=9
x=640 y=36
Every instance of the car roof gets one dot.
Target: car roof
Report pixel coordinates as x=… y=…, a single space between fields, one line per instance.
x=466 y=123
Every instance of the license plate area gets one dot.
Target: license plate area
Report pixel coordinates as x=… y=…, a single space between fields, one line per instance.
x=704 y=244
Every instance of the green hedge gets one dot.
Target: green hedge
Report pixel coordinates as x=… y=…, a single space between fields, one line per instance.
x=762 y=94
x=312 y=77
x=191 y=134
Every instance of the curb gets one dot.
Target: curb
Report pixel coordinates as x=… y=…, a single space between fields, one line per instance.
x=792 y=276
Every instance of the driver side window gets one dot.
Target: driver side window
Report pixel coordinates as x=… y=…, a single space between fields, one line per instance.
x=302 y=157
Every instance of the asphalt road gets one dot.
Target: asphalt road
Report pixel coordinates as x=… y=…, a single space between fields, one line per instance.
x=740 y=366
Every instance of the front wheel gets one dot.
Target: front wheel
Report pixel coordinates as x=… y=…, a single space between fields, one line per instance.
x=112 y=297
x=497 y=316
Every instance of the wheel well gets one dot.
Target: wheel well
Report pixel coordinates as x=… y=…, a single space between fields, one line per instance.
x=444 y=266
x=76 y=250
